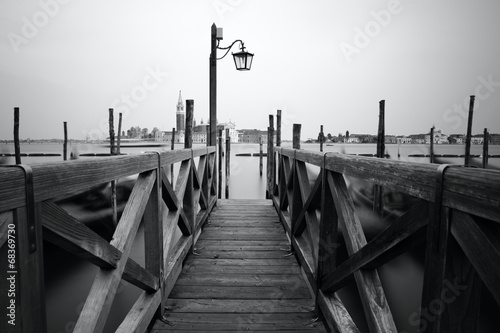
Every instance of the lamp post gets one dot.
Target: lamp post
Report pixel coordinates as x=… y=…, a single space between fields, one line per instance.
x=242 y=61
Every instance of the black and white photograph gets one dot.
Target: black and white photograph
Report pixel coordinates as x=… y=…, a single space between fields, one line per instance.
x=249 y=166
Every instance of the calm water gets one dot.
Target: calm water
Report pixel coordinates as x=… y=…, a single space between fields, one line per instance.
x=68 y=279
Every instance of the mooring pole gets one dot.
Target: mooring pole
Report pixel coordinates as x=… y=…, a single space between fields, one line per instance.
x=321 y=138
x=172 y=147
x=377 y=189
x=486 y=139
x=469 y=131
x=270 y=158
x=188 y=139
x=118 y=152
x=111 y=133
x=65 y=144
x=17 y=146
x=260 y=155
x=113 y=182
x=432 y=145
x=296 y=136
x=278 y=128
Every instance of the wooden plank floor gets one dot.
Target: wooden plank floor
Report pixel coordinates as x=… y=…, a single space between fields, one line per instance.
x=241 y=277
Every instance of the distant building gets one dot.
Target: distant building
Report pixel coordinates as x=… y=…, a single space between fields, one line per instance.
x=233 y=133
x=200 y=133
x=403 y=139
x=417 y=138
x=390 y=139
x=495 y=139
x=477 y=139
x=456 y=139
x=353 y=139
x=439 y=137
x=180 y=115
x=252 y=136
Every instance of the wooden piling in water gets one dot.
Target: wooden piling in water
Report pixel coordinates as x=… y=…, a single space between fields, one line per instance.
x=296 y=136
x=112 y=151
x=118 y=152
x=188 y=132
x=321 y=138
x=220 y=166
x=270 y=158
x=381 y=130
x=278 y=128
x=469 y=132
x=260 y=155
x=486 y=138
x=17 y=146
x=228 y=161
x=111 y=133
x=172 y=147
x=65 y=144
x=378 y=206
x=432 y=145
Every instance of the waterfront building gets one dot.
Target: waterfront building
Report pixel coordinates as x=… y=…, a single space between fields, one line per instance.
x=252 y=136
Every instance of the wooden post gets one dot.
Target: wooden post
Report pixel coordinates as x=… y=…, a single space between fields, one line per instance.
x=270 y=167
x=112 y=151
x=220 y=165
x=469 y=132
x=381 y=130
x=188 y=133
x=278 y=128
x=65 y=144
x=432 y=145
x=227 y=162
x=17 y=146
x=270 y=158
x=172 y=147
x=260 y=155
x=378 y=206
x=30 y=311
x=153 y=234
x=118 y=152
x=111 y=133
x=296 y=136
x=486 y=139
x=296 y=204
x=321 y=138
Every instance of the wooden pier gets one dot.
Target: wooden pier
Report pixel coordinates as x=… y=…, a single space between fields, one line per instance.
x=254 y=265
x=241 y=276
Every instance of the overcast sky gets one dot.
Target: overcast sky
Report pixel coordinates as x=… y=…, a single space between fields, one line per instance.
x=321 y=62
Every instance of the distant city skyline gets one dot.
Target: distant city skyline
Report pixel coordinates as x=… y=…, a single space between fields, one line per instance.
x=321 y=63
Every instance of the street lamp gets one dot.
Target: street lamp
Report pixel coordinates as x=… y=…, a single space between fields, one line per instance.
x=242 y=61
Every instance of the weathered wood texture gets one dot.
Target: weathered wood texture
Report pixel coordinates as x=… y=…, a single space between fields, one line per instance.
x=470 y=258
x=188 y=203
x=241 y=276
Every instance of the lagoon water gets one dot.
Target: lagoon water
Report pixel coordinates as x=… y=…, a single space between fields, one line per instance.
x=68 y=279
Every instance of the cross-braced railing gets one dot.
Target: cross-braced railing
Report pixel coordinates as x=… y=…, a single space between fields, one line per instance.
x=455 y=211
x=28 y=215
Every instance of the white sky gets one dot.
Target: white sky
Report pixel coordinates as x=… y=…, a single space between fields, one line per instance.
x=84 y=56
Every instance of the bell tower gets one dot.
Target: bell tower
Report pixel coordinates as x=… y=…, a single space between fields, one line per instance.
x=180 y=115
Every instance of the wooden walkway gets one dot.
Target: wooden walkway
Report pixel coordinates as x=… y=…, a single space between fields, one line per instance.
x=241 y=277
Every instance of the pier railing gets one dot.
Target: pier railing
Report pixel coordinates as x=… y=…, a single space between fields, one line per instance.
x=455 y=212
x=29 y=215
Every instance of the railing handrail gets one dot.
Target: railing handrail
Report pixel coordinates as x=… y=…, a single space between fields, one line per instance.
x=189 y=201
x=455 y=203
x=65 y=177
x=471 y=190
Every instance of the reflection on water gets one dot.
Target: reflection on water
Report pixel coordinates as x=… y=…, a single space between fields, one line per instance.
x=68 y=279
